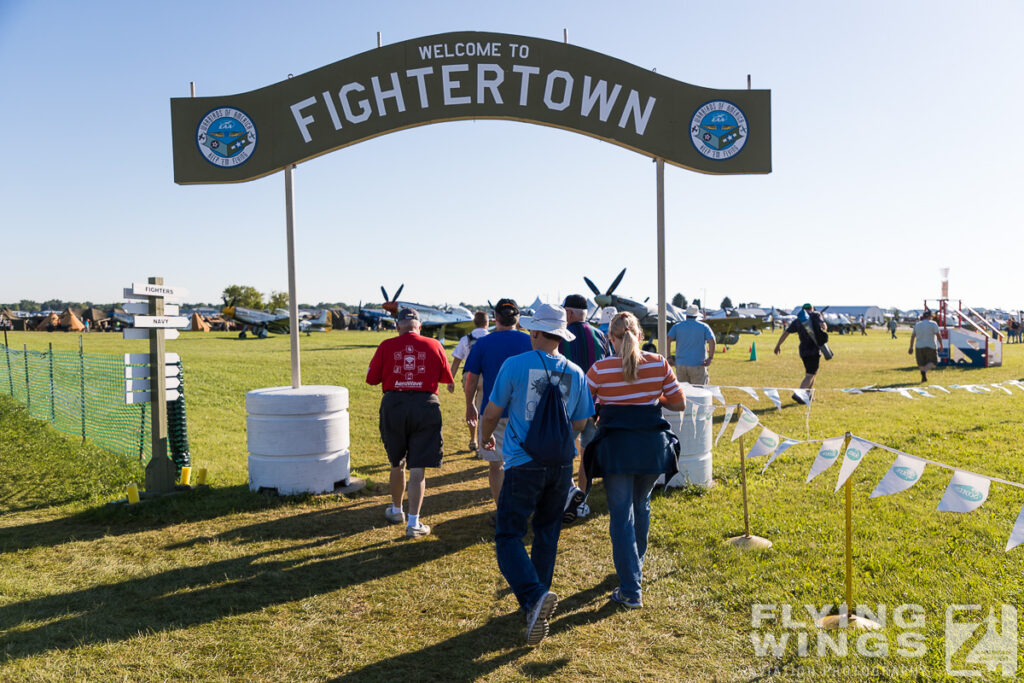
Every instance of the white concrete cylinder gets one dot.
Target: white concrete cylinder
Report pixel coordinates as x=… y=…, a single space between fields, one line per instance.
x=694 y=430
x=298 y=439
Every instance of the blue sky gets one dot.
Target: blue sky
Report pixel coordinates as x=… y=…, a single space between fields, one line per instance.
x=895 y=153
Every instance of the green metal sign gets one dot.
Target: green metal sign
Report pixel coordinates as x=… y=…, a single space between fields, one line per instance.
x=457 y=76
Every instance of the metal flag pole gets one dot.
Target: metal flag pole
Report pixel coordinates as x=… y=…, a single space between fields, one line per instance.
x=746 y=541
x=662 y=329
x=293 y=302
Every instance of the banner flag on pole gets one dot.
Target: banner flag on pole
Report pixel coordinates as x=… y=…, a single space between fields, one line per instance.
x=729 y=410
x=747 y=421
x=826 y=456
x=784 y=446
x=855 y=452
x=765 y=444
x=1017 y=535
x=966 y=492
x=903 y=474
x=773 y=396
x=750 y=390
x=716 y=392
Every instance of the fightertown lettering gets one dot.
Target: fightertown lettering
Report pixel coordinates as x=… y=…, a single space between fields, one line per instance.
x=450 y=86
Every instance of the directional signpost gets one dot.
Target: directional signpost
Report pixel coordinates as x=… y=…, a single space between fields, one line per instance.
x=142 y=386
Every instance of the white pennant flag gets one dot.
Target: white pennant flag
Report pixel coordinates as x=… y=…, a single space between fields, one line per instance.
x=773 y=396
x=853 y=391
x=747 y=421
x=1017 y=535
x=1000 y=386
x=784 y=446
x=903 y=474
x=804 y=394
x=765 y=444
x=750 y=390
x=716 y=392
x=921 y=392
x=904 y=392
x=1017 y=383
x=729 y=410
x=855 y=452
x=826 y=456
x=966 y=492
x=940 y=388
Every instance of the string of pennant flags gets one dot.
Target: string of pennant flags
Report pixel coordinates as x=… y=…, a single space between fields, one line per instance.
x=966 y=492
x=805 y=395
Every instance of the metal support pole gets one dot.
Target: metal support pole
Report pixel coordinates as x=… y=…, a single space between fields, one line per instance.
x=28 y=390
x=293 y=302
x=53 y=410
x=662 y=328
x=743 y=478
x=81 y=383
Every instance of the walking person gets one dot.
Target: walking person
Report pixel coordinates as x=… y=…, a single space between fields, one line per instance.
x=532 y=487
x=925 y=343
x=589 y=346
x=691 y=336
x=808 y=326
x=633 y=447
x=409 y=367
x=892 y=324
x=484 y=361
x=459 y=355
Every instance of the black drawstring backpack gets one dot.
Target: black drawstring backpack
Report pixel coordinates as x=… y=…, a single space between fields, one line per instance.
x=549 y=441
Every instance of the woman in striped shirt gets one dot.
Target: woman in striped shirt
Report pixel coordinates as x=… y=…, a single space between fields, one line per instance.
x=634 y=445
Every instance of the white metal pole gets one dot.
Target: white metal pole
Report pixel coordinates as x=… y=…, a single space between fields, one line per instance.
x=662 y=327
x=293 y=301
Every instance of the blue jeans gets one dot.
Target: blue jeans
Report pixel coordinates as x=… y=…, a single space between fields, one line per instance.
x=539 y=490
x=629 y=510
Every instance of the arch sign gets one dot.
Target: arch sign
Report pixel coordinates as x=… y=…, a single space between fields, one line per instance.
x=469 y=75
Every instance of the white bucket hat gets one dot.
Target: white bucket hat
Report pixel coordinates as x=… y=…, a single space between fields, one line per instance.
x=692 y=310
x=550 y=319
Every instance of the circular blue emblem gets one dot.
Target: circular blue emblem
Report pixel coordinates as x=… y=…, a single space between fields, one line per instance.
x=226 y=137
x=718 y=130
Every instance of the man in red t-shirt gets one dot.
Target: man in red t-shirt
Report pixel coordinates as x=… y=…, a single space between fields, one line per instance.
x=409 y=367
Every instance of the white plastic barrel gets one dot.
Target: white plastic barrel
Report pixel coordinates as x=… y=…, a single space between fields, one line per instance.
x=694 y=430
x=298 y=439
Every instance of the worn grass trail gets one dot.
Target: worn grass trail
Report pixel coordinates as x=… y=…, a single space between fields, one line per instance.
x=226 y=584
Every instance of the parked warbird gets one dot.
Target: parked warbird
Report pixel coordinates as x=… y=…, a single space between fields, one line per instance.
x=263 y=323
x=447 y=322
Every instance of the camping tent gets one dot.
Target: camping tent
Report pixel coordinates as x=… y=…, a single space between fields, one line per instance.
x=70 y=322
x=47 y=322
x=197 y=324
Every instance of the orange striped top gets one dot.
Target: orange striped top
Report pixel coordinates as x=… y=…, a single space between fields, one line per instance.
x=654 y=379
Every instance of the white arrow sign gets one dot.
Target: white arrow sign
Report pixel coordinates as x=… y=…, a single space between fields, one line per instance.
x=143 y=371
x=143 y=308
x=157 y=321
x=147 y=384
x=143 y=333
x=146 y=289
x=143 y=358
x=144 y=396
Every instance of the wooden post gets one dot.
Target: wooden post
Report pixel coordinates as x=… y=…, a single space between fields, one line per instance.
x=746 y=541
x=293 y=302
x=160 y=472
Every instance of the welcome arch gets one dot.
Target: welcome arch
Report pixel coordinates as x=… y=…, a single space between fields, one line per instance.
x=469 y=75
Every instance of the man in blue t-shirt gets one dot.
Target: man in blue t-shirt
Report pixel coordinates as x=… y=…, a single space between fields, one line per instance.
x=533 y=488
x=485 y=359
x=690 y=336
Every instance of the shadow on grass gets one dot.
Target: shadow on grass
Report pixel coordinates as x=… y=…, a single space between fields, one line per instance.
x=475 y=654
x=187 y=596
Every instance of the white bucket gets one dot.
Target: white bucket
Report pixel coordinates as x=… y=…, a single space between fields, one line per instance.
x=298 y=439
x=694 y=430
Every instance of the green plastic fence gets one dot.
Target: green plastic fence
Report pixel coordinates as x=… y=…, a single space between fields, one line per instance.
x=83 y=394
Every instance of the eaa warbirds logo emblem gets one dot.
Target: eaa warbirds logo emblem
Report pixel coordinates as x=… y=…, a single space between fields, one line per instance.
x=226 y=137
x=905 y=473
x=718 y=130
x=853 y=454
x=969 y=492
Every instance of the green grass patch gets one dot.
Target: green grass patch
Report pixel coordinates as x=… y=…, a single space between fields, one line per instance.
x=227 y=584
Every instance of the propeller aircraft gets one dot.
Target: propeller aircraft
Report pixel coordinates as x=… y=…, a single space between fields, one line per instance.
x=449 y=322
x=262 y=323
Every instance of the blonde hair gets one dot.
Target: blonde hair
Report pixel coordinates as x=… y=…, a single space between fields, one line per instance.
x=626 y=327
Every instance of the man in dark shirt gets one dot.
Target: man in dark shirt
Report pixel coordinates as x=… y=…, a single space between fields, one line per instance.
x=809 y=351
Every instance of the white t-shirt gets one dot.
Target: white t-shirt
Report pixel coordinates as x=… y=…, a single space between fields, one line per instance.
x=462 y=348
x=927 y=331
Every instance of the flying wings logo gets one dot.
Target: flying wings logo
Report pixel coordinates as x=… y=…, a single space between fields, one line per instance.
x=718 y=130
x=226 y=137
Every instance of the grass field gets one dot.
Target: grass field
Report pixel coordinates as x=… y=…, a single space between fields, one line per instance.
x=225 y=584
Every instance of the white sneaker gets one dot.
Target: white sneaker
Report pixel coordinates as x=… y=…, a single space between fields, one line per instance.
x=537 y=618
x=417 y=531
x=394 y=515
x=573 y=503
x=583 y=510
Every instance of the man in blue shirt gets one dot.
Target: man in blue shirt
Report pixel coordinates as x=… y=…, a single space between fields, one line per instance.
x=485 y=359
x=533 y=488
x=690 y=336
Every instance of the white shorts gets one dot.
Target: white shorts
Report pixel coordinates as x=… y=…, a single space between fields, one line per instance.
x=499 y=438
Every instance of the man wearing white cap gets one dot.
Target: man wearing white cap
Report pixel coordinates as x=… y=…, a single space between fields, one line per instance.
x=690 y=336
x=532 y=487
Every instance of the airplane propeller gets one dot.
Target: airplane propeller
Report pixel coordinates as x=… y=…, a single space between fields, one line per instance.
x=390 y=303
x=615 y=283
